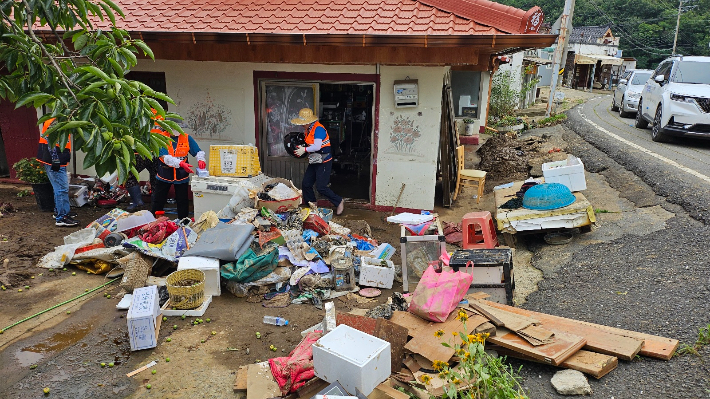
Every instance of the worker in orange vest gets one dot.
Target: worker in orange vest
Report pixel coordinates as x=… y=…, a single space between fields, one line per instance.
x=173 y=170
x=55 y=162
x=319 y=160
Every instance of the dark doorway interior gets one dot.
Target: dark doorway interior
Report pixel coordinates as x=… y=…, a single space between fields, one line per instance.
x=154 y=80
x=346 y=112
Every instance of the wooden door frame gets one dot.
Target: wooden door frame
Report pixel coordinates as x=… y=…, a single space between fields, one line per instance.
x=326 y=78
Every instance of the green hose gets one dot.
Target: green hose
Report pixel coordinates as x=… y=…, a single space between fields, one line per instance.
x=58 y=305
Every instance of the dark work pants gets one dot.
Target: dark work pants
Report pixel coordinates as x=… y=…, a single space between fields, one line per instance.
x=319 y=174
x=160 y=195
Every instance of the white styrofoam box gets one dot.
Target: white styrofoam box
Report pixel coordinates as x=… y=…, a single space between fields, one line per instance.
x=209 y=266
x=168 y=311
x=78 y=195
x=485 y=274
x=213 y=193
x=569 y=172
x=353 y=358
x=142 y=318
x=372 y=274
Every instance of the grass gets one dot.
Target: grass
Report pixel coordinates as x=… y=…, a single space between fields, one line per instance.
x=702 y=340
x=551 y=120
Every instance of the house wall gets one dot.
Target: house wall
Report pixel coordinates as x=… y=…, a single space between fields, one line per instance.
x=593 y=49
x=221 y=95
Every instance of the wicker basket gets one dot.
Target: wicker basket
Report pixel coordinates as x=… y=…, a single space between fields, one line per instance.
x=186 y=288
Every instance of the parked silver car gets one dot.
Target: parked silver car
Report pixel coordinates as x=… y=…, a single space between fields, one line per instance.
x=627 y=93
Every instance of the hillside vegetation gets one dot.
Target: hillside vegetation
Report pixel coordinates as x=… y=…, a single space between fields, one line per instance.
x=646 y=27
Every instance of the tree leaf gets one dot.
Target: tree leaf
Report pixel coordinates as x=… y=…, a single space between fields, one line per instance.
x=33 y=98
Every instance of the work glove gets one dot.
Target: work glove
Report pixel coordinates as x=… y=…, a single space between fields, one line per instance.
x=56 y=165
x=186 y=167
x=202 y=164
x=300 y=150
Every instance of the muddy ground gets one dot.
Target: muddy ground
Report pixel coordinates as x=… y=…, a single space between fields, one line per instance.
x=63 y=348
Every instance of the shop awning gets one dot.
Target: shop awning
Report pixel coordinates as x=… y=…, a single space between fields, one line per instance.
x=593 y=59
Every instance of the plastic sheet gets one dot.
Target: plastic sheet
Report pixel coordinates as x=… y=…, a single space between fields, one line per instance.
x=225 y=242
x=250 y=267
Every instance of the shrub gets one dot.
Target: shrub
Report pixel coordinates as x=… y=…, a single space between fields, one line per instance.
x=30 y=170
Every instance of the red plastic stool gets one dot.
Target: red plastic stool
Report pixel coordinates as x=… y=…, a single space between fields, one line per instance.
x=479 y=231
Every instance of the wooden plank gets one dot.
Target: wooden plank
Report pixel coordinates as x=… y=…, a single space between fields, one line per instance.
x=426 y=344
x=396 y=336
x=554 y=353
x=623 y=344
x=261 y=383
x=385 y=391
x=409 y=321
x=595 y=364
x=240 y=383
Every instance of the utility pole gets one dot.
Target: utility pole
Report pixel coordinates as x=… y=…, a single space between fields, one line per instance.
x=677 y=25
x=561 y=49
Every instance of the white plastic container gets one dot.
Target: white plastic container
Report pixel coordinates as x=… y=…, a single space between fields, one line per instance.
x=136 y=219
x=78 y=195
x=373 y=274
x=213 y=193
x=353 y=358
x=569 y=172
x=209 y=266
x=143 y=318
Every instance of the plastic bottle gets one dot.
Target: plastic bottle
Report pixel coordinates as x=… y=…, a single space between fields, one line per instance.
x=275 y=320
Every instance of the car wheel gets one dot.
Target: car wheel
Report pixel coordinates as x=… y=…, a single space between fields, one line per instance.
x=656 y=134
x=614 y=107
x=623 y=113
x=640 y=122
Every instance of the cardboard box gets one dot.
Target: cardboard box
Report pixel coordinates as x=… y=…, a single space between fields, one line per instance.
x=143 y=318
x=283 y=205
x=373 y=274
x=355 y=359
x=569 y=172
x=209 y=266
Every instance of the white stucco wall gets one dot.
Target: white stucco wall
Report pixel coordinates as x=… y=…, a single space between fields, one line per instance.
x=593 y=49
x=228 y=89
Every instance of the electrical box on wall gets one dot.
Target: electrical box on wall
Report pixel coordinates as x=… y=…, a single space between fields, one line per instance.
x=406 y=93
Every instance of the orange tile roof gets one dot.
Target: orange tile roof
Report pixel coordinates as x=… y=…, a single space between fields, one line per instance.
x=367 y=17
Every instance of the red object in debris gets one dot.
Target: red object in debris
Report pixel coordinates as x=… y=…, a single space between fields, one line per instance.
x=317 y=224
x=89 y=248
x=157 y=231
x=293 y=371
x=107 y=203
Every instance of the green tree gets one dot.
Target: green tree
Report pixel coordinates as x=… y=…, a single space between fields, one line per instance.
x=69 y=57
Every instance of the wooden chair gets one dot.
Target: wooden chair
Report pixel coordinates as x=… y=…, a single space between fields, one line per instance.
x=468 y=177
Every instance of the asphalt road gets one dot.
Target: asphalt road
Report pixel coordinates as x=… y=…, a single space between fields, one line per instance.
x=650 y=277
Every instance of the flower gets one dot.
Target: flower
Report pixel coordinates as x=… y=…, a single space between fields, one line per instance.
x=462 y=316
x=425 y=379
x=454 y=333
x=456 y=381
x=471 y=338
x=439 y=333
x=438 y=365
x=460 y=352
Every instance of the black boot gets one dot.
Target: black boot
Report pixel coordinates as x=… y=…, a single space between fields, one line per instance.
x=136 y=198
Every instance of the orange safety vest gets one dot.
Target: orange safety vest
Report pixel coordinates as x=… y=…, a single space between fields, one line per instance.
x=311 y=135
x=181 y=151
x=45 y=126
x=43 y=151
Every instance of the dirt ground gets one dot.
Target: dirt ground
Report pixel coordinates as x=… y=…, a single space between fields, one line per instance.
x=63 y=348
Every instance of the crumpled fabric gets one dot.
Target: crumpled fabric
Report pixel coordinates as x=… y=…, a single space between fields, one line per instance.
x=157 y=231
x=453 y=233
x=250 y=266
x=292 y=372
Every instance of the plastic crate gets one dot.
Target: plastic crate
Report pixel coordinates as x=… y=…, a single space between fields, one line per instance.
x=234 y=160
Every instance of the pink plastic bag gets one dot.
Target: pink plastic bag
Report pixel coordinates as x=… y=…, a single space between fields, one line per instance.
x=437 y=294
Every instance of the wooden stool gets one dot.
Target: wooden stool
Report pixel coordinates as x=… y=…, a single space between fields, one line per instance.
x=468 y=177
x=472 y=224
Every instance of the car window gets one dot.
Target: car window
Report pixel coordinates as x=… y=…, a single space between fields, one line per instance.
x=626 y=75
x=692 y=72
x=640 y=78
x=663 y=69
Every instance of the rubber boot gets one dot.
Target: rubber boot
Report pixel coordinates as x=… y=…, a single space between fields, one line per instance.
x=136 y=198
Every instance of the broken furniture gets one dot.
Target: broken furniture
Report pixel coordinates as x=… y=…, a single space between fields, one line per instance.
x=418 y=251
x=475 y=222
x=512 y=221
x=468 y=177
x=492 y=271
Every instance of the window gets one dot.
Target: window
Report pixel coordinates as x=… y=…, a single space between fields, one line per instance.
x=640 y=78
x=663 y=69
x=692 y=72
x=465 y=87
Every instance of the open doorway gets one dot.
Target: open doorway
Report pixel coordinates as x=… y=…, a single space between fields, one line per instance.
x=346 y=111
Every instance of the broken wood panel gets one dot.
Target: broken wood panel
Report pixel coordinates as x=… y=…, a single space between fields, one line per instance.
x=602 y=340
x=554 y=353
x=396 y=336
x=595 y=364
x=428 y=345
x=261 y=383
x=360 y=323
x=486 y=327
x=409 y=321
x=653 y=345
x=240 y=383
x=385 y=391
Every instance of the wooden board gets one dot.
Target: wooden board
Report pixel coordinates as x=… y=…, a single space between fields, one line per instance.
x=396 y=336
x=608 y=340
x=579 y=213
x=554 y=353
x=240 y=383
x=385 y=391
x=428 y=345
x=595 y=364
x=261 y=383
x=409 y=321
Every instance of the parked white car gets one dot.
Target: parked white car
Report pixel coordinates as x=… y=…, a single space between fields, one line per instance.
x=676 y=99
x=627 y=93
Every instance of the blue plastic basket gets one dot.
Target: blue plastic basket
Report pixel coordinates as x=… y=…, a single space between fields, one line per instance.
x=548 y=196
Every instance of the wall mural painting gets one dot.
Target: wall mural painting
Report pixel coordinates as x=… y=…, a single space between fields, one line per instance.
x=404 y=135
x=208 y=120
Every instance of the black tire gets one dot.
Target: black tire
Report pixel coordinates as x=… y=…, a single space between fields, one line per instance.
x=640 y=123
x=622 y=113
x=656 y=134
x=614 y=107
